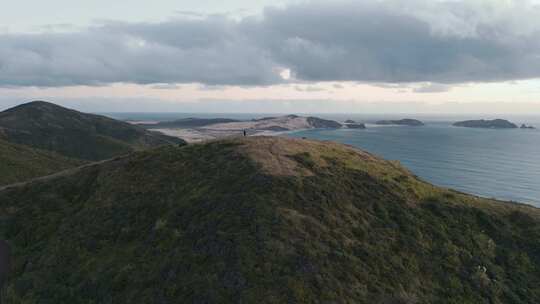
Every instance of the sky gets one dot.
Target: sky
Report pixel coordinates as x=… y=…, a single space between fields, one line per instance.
x=288 y=56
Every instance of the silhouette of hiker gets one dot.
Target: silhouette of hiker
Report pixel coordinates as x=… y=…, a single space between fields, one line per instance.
x=245 y=134
x=4 y=263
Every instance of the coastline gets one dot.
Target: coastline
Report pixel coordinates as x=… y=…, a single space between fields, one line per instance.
x=199 y=135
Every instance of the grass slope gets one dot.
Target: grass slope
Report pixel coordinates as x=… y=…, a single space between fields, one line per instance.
x=20 y=163
x=74 y=134
x=266 y=220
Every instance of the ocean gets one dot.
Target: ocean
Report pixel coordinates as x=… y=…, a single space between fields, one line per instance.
x=501 y=164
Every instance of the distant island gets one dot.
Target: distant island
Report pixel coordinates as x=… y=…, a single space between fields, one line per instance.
x=401 y=122
x=355 y=126
x=351 y=124
x=524 y=126
x=486 y=124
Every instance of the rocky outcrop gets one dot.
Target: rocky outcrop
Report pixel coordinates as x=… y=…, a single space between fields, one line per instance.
x=524 y=126
x=401 y=122
x=355 y=126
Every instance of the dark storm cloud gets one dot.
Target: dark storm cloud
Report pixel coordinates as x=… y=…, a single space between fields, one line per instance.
x=379 y=42
x=385 y=43
x=210 y=51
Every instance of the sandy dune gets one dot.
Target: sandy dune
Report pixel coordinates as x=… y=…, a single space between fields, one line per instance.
x=266 y=127
x=290 y=123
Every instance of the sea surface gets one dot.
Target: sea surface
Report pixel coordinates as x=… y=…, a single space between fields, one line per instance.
x=502 y=164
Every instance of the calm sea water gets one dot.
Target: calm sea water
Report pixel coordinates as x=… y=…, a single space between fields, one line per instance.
x=504 y=164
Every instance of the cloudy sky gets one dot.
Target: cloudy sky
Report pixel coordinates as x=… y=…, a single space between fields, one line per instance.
x=474 y=56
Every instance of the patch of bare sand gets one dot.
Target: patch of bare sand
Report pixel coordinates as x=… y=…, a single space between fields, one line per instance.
x=189 y=135
x=200 y=135
x=285 y=122
x=271 y=126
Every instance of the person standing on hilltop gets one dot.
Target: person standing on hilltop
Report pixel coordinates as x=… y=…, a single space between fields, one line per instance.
x=245 y=133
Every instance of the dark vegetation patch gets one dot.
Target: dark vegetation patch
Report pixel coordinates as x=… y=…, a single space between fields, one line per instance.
x=20 y=163
x=305 y=160
x=204 y=224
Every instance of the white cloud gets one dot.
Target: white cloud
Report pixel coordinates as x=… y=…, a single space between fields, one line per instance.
x=432 y=88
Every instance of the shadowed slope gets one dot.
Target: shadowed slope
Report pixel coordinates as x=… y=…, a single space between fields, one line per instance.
x=74 y=134
x=20 y=163
x=267 y=220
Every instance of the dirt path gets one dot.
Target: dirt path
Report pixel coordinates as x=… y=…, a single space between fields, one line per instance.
x=59 y=174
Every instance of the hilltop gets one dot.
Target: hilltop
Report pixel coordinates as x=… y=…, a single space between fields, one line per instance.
x=74 y=134
x=20 y=163
x=267 y=220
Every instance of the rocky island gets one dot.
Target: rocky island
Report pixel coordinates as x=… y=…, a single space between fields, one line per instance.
x=351 y=124
x=401 y=122
x=524 y=126
x=355 y=126
x=486 y=124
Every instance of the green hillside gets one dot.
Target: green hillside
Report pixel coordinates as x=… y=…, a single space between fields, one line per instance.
x=263 y=220
x=74 y=134
x=20 y=163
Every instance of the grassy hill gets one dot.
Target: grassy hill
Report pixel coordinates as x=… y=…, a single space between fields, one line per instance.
x=263 y=220
x=20 y=163
x=74 y=134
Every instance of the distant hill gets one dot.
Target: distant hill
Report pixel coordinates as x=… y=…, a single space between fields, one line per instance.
x=524 y=126
x=351 y=124
x=401 y=122
x=20 y=163
x=263 y=220
x=319 y=123
x=489 y=124
x=74 y=134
